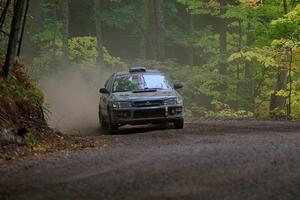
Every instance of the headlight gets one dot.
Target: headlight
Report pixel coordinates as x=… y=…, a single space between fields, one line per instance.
x=173 y=101
x=121 y=104
x=179 y=100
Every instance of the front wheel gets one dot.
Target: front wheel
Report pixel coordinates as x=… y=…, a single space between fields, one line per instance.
x=102 y=122
x=112 y=128
x=178 y=124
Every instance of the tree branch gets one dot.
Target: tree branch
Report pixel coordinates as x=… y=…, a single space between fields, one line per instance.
x=3 y=14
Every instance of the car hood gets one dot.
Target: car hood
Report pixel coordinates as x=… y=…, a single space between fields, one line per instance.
x=159 y=94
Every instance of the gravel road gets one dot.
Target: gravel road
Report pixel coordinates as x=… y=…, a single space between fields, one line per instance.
x=234 y=160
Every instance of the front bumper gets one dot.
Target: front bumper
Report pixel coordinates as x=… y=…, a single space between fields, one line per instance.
x=145 y=115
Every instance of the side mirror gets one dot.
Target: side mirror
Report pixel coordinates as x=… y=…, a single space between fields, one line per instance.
x=103 y=91
x=178 y=86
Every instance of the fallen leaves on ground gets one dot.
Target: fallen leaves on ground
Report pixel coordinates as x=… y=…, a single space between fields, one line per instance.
x=57 y=143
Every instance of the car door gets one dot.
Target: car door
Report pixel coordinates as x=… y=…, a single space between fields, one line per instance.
x=104 y=99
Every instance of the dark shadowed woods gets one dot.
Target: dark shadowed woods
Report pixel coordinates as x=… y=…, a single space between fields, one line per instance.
x=236 y=59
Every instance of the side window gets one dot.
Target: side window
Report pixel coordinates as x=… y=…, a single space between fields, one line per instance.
x=106 y=82
x=109 y=83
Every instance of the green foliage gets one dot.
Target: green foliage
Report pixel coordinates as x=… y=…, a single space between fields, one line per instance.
x=264 y=56
x=296 y=105
x=20 y=89
x=83 y=49
x=257 y=36
x=260 y=60
x=223 y=111
x=202 y=7
x=35 y=95
x=113 y=61
x=43 y=41
x=121 y=17
x=286 y=30
x=44 y=38
x=31 y=139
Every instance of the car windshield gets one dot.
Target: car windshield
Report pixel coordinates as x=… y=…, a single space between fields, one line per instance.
x=140 y=81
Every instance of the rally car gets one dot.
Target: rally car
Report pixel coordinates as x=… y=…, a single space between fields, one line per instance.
x=139 y=96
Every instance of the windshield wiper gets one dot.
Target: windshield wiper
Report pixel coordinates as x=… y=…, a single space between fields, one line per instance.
x=121 y=91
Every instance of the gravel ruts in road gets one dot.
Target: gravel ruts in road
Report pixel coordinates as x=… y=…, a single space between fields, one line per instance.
x=206 y=160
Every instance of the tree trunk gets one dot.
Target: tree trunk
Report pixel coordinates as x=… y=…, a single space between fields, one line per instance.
x=99 y=35
x=65 y=32
x=222 y=28
x=152 y=52
x=279 y=101
x=3 y=14
x=289 y=110
x=143 y=39
x=13 y=37
x=143 y=47
x=223 y=39
x=285 y=7
x=35 y=20
x=54 y=35
x=249 y=84
x=156 y=30
x=23 y=28
x=160 y=29
x=191 y=47
x=238 y=69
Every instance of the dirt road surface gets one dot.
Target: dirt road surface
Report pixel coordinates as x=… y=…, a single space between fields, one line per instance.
x=236 y=160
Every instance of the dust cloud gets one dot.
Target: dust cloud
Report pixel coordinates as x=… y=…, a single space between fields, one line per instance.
x=73 y=97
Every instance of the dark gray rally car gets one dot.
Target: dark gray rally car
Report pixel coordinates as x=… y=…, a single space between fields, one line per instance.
x=139 y=96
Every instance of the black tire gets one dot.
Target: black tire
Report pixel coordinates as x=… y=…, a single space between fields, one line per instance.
x=178 y=124
x=112 y=128
x=102 y=122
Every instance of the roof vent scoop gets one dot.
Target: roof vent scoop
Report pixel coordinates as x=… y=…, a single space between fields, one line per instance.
x=137 y=69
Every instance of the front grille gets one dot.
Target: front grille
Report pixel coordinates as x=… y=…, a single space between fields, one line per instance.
x=148 y=103
x=149 y=113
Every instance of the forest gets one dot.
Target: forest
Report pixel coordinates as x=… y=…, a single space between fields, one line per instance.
x=150 y=99
x=236 y=58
